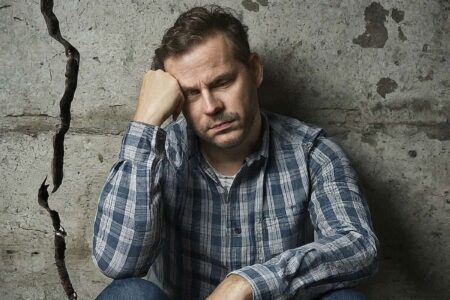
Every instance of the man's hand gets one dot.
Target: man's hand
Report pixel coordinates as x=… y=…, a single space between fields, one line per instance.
x=159 y=98
x=233 y=287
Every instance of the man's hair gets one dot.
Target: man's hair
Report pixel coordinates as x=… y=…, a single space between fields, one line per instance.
x=197 y=24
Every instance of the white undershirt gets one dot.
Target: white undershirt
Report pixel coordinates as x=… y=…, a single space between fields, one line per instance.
x=225 y=181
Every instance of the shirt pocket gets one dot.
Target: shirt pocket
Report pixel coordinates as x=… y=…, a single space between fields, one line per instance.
x=281 y=234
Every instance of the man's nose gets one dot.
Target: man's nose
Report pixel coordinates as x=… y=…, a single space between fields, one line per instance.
x=211 y=103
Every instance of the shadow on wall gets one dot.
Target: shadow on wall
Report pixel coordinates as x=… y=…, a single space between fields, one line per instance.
x=405 y=263
x=279 y=91
x=403 y=272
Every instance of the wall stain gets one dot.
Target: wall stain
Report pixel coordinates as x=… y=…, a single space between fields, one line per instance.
x=439 y=131
x=250 y=5
x=368 y=135
x=436 y=234
x=376 y=33
x=412 y=153
x=370 y=139
x=417 y=105
x=386 y=86
x=397 y=15
x=401 y=35
x=426 y=78
x=445 y=83
x=435 y=131
x=263 y=2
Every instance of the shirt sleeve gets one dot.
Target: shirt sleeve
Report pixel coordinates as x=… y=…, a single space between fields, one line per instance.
x=127 y=228
x=345 y=250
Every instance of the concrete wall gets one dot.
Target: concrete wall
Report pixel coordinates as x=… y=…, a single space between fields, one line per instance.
x=374 y=74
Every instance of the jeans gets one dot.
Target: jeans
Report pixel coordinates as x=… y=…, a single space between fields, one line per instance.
x=141 y=289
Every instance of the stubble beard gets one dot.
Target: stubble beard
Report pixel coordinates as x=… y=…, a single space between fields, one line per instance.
x=213 y=140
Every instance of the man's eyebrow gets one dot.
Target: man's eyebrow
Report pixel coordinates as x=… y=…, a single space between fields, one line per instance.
x=213 y=82
x=226 y=76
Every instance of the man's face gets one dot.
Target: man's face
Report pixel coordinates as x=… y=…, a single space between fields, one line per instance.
x=221 y=102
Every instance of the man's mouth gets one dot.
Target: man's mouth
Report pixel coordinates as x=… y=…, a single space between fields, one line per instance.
x=221 y=126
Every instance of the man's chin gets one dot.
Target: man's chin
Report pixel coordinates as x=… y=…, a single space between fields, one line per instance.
x=225 y=142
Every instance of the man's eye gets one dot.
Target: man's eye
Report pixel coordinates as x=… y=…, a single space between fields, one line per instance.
x=224 y=82
x=191 y=94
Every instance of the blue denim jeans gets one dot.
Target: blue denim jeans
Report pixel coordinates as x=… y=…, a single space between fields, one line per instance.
x=141 y=289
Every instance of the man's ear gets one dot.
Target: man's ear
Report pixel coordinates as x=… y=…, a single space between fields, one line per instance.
x=256 y=68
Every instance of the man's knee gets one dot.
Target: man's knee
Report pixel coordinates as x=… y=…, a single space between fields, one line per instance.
x=132 y=289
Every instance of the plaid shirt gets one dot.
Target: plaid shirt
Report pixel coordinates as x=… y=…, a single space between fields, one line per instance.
x=163 y=207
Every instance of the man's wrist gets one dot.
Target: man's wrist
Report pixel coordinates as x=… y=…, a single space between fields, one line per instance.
x=148 y=120
x=244 y=285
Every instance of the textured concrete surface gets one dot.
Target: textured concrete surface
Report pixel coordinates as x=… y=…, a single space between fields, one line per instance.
x=373 y=74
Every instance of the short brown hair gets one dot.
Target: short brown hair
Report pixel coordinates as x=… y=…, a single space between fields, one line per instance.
x=195 y=25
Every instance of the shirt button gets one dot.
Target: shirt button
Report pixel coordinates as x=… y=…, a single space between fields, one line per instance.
x=237 y=230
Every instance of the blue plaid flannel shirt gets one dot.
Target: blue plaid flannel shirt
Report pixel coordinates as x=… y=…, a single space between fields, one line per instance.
x=163 y=207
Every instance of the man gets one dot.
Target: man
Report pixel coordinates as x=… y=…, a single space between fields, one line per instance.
x=217 y=202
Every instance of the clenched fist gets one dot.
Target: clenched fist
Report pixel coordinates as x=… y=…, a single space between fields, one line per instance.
x=159 y=98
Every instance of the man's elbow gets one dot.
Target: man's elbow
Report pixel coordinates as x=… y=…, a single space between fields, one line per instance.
x=370 y=255
x=116 y=271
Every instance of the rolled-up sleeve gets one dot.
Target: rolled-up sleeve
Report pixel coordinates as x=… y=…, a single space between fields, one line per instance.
x=345 y=250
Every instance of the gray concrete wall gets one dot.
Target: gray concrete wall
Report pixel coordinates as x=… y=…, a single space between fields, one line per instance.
x=375 y=75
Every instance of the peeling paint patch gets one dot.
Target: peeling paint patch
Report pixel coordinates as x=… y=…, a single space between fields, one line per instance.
x=386 y=86
x=397 y=15
x=376 y=33
x=401 y=35
x=250 y=5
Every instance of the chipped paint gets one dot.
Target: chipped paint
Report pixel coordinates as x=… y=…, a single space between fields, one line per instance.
x=386 y=86
x=397 y=15
x=376 y=33
x=250 y=5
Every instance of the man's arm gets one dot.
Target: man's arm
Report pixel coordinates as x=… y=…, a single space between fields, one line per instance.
x=346 y=248
x=127 y=228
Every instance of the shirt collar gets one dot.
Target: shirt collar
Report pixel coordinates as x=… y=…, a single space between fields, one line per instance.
x=263 y=151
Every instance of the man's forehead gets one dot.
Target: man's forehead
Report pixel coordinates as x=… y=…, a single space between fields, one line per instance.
x=204 y=62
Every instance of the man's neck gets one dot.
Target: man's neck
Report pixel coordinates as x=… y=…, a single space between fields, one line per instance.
x=229 y=161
